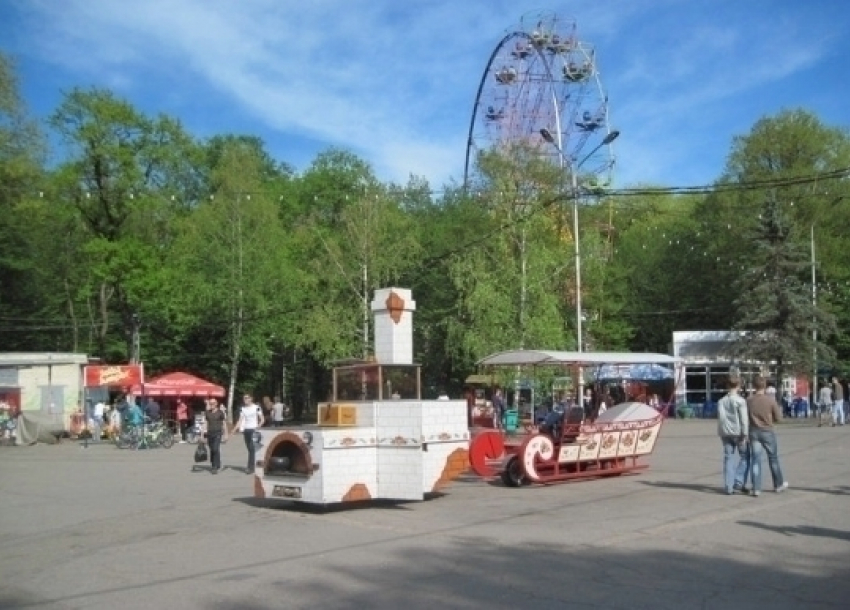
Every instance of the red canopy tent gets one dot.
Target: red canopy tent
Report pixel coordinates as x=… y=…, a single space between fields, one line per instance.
x=179 y=384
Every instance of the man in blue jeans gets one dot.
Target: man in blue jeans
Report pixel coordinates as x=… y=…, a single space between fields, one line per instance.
x=837 y=402
x=733 y=427
x=216 y=433
x=764 y=413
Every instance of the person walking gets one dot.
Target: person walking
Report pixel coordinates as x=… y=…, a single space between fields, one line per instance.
x=267 y=406
x=181 y=412
x=764 y=414
x=216 y=433
x=97 y=418
x=250 y=419
x=837 y=402
x=277 y=412
x=499 y=408
x=733 y=424
x=824 y=402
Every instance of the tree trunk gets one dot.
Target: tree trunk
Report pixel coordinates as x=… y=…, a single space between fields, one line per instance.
x=75 y=327
x=235 y=354
x=104 y=295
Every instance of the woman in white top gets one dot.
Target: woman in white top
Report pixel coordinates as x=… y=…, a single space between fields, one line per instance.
x=250 y=418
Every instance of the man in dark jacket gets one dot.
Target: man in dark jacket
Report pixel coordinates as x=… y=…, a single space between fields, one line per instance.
x=216 y=432
x=764 y=413
x=152 y=409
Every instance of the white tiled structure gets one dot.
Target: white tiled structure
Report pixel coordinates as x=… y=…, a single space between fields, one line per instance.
x=393 y=310
x=415 y=448
x=398 y=449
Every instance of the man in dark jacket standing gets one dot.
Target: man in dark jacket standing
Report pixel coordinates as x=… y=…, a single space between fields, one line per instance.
x=764 y=413
x=216 y=432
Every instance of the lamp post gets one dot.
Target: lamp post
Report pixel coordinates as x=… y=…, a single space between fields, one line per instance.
x=574 y=167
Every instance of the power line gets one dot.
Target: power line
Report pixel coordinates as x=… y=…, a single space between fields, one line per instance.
x=704 y=189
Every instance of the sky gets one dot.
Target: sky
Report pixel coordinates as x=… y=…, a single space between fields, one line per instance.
x=395 y=82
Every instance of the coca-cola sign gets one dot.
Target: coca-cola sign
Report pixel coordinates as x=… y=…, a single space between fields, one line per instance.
x=114 y=375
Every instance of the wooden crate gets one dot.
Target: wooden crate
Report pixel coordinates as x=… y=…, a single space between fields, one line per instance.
x=337 y=415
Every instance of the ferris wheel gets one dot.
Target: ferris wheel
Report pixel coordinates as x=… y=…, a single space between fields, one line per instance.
x=541 y=76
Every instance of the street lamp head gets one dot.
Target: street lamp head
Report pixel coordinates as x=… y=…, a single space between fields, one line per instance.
x=609 y=138
x=547 y=136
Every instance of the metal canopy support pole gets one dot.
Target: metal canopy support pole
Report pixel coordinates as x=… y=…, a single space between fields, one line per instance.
x=577 y=248
x=574 y=194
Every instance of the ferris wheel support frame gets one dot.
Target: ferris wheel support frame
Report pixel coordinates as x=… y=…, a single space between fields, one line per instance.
x=483 y=81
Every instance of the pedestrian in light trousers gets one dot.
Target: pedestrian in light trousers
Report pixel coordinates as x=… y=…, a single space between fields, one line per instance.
x=250 y=419
x=733 y=429
x=837 y=403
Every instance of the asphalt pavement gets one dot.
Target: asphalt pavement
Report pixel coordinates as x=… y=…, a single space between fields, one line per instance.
x=98 y=527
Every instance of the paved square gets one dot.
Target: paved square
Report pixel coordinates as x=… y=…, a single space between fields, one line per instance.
x=102 y=528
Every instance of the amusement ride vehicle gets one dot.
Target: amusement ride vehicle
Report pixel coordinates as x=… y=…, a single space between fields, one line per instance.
x=574 y=444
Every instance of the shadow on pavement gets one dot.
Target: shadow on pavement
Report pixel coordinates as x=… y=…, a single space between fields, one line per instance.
x=833 y=491
x=697 y=487
x=800 y=530
x=320 y=509
x=473 y=572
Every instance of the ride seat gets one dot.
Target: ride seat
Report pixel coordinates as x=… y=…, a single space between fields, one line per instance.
x=572 y=424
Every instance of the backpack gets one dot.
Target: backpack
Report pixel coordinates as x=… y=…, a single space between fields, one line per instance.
x=201 y=453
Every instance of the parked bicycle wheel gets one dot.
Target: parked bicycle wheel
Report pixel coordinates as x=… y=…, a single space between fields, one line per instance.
x=166 y=438
x=128 y=439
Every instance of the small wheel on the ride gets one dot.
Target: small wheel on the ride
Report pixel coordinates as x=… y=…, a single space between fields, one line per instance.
x=166 y=439
x=192 y=436
x=513 y=476
x=123 y=441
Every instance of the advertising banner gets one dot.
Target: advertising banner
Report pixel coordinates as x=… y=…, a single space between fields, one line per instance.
x=114 y=375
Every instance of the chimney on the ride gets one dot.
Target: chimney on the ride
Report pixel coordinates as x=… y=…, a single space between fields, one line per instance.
x=393 y=309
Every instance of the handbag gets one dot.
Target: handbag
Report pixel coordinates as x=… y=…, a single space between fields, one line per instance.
x=201 y=453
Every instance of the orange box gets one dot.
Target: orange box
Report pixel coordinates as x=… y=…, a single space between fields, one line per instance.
x=337 y=415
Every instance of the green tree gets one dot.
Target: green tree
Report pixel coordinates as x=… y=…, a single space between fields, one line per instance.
x=658 y=245
x=800 y=164
x=355 y=240
x=121 y=166
x=445 y=228
x=23 y=302
x=514 y=282
x=773 y=304
x=235 y=277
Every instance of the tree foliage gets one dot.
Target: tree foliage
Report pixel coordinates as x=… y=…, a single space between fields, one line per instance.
x=772 y=300
x=241 y=269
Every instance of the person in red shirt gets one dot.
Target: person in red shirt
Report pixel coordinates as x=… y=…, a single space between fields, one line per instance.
x=182 y=415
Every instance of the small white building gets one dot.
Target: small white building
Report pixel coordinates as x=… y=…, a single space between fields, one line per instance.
x=707 y=361
x=50 y=384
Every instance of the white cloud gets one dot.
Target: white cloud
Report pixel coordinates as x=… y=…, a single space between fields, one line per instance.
x=395 y=81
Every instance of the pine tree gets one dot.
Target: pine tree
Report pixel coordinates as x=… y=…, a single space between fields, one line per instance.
x=773 y=300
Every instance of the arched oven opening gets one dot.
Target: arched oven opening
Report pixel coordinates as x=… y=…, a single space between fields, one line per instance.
x=288 y=456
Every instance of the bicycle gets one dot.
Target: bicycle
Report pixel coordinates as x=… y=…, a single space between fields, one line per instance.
x=146 y=436
x=129 y=437
x=159 y=433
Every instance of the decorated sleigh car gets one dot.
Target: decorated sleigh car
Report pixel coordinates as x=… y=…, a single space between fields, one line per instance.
x=570 y=446
x=611 y=445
